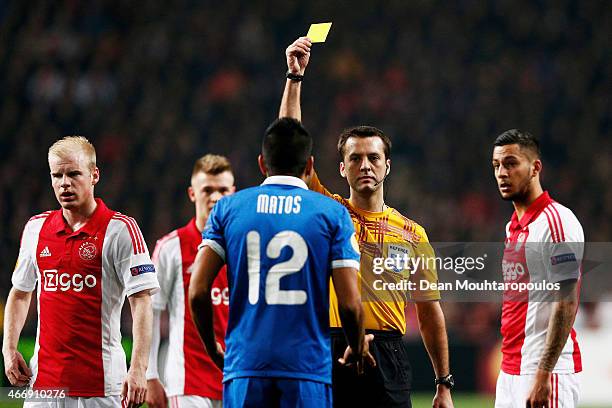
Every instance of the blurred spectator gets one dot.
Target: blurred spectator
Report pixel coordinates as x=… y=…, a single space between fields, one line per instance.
x=156 y=84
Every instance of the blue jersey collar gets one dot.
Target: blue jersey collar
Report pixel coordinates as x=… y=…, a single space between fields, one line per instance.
x=286 y=180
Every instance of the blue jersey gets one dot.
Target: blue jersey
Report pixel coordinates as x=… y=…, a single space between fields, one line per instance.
x=280 y=242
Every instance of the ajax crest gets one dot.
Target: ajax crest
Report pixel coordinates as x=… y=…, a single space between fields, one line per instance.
x=88 y=251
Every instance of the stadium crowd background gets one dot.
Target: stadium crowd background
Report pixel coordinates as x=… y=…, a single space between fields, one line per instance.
x=156 y=84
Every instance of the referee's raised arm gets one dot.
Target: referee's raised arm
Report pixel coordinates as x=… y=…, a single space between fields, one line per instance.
x=298 y=55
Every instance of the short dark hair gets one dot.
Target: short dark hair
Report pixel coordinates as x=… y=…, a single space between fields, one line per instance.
x=286 y=147
x=524 y=139
x=363 y=131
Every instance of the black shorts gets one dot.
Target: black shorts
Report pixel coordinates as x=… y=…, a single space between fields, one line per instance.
x=386 y=385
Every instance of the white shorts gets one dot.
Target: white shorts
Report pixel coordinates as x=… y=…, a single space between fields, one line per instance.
x=512 y=390
x=113 y=401
x=193 y=401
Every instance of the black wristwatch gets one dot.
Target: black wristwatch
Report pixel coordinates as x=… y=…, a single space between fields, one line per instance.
x=447 y=381
x=294 y=77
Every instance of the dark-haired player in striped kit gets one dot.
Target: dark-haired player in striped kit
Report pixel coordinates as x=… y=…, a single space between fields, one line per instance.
x=85 y=259
x=544 y=242
x=282 y=243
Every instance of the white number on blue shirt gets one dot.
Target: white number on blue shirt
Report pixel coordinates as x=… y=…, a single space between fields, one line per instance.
x=274 y=294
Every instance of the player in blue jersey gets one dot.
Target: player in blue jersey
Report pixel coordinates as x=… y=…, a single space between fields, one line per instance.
x=281 y=243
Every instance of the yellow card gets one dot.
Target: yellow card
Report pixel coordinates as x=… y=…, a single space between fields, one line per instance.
x=318 y=32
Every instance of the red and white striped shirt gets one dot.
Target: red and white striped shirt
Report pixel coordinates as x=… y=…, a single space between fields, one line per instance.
x=189 y=369
x=546 y=244
x=83 y=278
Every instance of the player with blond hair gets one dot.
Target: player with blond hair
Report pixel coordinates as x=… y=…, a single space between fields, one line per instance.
x=85 y=259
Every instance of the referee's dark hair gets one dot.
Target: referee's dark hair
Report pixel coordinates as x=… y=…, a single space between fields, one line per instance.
x=363 y=132
x=286 y=147
x=524 y=139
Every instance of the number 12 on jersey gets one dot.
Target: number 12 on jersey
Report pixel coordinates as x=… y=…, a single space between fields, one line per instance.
x=274 y=294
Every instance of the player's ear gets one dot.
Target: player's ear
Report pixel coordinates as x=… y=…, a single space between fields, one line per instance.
x=309 y=166
x=262 y=165
x=308 y=171
x=191 y=194
x=95 y=176
x=232 y=189
x=342 y=169
x=388 y=167
x=537 y=167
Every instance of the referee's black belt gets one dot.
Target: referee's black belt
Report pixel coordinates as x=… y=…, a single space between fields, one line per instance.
x=378 y=334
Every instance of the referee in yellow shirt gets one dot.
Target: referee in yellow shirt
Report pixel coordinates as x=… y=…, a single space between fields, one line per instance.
x=382 y=233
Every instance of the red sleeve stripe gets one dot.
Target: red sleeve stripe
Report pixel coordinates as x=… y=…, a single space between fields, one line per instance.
x=167 y=237
x=552 y=206
x=135 y=235
x=551 y=226
x=142 y=241
x=42 y=215
x=554 y=222
x=161 y=242
x=130 y=230
x=554 y=216
x=139 y=238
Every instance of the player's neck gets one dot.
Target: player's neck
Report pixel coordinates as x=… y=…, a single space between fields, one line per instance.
x=521 y=205
x=373 y=202
x=200 y=222
x=78 y=217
